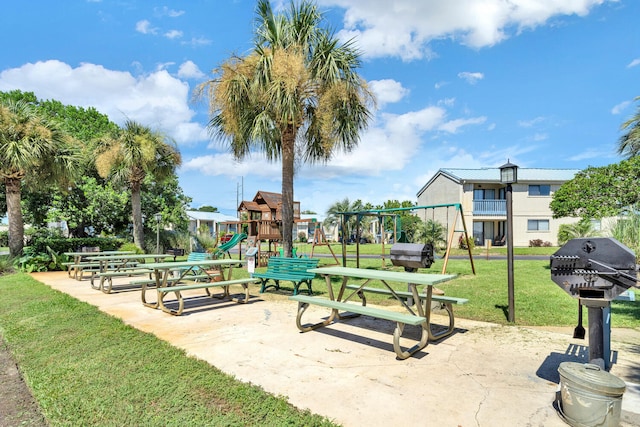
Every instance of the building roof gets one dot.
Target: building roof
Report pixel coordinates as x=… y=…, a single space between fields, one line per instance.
x=492 y=175
x=209 y=216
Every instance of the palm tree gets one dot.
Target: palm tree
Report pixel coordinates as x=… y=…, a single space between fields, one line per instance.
x=335 y=219
x=629 y=143
x=582 y=228
x=295 y=94
x=128 y=156
x=432 y=232
x=34 y=151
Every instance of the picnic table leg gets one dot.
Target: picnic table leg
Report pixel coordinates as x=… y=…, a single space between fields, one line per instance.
x=302 y=307
x=397 y=334
x=166 y=309
x=106 y=288
x=244 y=300
x=426 y=311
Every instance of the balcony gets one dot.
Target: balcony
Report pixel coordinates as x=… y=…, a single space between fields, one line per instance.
x=489 y=207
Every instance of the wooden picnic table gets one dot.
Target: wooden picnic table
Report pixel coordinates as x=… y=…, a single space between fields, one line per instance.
x=186 y=275
x=341 y=308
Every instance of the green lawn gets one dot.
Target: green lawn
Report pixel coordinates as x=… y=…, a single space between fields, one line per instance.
x=86 y=368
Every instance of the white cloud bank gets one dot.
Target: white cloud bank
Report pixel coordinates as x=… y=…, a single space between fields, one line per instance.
x=404 y=28
x=157 y=100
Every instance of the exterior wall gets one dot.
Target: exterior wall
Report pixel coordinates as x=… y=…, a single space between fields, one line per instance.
x=443 y=190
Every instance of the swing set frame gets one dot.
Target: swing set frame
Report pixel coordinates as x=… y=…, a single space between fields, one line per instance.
x=382 y=213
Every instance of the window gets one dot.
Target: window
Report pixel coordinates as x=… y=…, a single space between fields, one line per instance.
x=538 y=225
x=539 y=190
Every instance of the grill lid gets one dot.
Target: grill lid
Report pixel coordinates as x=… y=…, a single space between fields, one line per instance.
x=412 y=255
x=595 y=268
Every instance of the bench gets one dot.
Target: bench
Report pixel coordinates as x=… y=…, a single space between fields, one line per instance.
x=400 y=318
x=289 y=269
x=204 y=285
x=106 y=278
x=443 y=301
x=77 y=269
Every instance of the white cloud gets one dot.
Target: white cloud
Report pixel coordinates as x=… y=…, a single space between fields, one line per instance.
x=452 y=126
x=634 y=63
x=173 y=34
x=530 y=123
x=404 y=28
x=617 y=109
x=157 y=100
x=471 y=78
x=189 y=70
x=165 y=11
x=438 y=85
x=197 y=41
x=145 y=27
x=387 y=91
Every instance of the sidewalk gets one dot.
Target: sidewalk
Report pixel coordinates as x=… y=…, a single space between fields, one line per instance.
x=482 y=375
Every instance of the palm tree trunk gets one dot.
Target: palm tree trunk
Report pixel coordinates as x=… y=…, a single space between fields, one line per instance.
x=136 y=213
x=288 y=147
x=14 y=215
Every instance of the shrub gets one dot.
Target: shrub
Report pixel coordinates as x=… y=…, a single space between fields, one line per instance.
x=4 y=239
x=462 y=242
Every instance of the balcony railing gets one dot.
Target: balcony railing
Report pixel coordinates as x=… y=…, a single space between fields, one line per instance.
x=490 y=207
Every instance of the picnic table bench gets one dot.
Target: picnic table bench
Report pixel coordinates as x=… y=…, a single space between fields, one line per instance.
x=342 y=308
x=442 y=301
x=187 y=275
x=106 y=277
x=294 y=270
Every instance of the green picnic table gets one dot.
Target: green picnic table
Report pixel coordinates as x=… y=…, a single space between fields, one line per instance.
x=342 y=308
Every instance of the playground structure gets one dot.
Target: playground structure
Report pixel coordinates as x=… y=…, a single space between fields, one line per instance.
x=398 y=234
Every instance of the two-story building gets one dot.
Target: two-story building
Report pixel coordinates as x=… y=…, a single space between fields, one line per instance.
x=483 y=201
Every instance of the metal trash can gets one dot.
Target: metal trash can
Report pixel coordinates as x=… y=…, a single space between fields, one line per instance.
x=589 y=396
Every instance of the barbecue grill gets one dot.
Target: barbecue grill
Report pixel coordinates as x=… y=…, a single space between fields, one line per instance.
x=595 y=271
x=412 y=256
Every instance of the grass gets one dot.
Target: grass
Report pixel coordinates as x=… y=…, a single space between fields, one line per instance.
x=87 y=368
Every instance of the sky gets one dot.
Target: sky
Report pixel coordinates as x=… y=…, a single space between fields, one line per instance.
x=459 y=84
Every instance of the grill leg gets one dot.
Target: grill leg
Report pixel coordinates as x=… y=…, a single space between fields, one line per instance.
x=600 y=336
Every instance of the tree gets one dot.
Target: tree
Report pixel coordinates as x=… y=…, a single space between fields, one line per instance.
x=127 y=157
x=296 y=95
x=599 y=192
x=430 y=231
x=207 y=208
x=335 y=219
x=629 y=143
x=582 y=228
x=34 y=151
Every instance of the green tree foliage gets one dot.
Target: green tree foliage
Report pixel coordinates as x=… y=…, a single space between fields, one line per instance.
x=430 y=231
x=582 y=228
x=207 y=208
x=34 y=151
x=128 y=156
x=334 y=217
x=627 y=231
x=629 y=143
x=296 y=96
x=91 y=208
x=599 y=192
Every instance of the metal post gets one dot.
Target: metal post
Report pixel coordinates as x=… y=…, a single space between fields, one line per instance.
x=512 y=315
x=158 y=217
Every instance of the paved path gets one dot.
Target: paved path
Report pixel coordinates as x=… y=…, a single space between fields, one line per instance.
x=483 y=375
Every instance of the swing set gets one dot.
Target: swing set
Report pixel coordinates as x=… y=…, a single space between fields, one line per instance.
x=398 y=233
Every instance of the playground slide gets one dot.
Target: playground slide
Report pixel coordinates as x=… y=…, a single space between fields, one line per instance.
x=235 y=239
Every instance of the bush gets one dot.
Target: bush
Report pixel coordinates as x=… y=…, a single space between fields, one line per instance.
x=4 y=239
x=302 y=237
x=462 y=242
x=538 y=243
x=61 y=244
